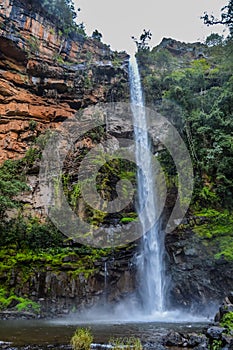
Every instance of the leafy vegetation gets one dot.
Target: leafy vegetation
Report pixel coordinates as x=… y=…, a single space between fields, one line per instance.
x=126 y=343
x=227 y=321
x=12 y=182
x=142 y=42
x=217 y=228
x=62 y=11
x=96 y=35
x=82 y=339
x=226 y=17
x=192 y=86
x=196 y=96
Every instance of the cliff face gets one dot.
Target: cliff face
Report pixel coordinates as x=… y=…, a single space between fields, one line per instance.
x=46 y=77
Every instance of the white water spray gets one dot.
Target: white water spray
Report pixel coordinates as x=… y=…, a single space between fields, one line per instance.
x=150 y=260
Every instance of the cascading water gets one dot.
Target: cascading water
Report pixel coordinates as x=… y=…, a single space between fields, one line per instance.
x=105 y=280
x=150 y=261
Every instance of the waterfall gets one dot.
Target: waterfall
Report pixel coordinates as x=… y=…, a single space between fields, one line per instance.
x=150 y=259
x=105 y=281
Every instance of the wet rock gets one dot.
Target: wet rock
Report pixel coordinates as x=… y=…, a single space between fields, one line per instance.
x=11 y=315
x=230 y=297
x=226 y=307
x=195 y=340
x=215 y=332
x=198 y=280
x=174 y=339
x=227 y=341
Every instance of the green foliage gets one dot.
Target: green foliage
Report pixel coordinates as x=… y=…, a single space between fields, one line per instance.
x=80 y=29
x=82 y=339
x=110 y=172
x=33 y=43
x=126 y=343
x=142 y=42
x=214 y=39
x=227 y=321
x=32 y=125
x=126 y=220
x=19 y=303
x=11 y=183
x=96 y=35
x=32 y=155
x=62 y=13
x=30 y=233
x=58 y=58
x=217 y=230
x=196 y=95
x=226 y=17
x=216 y=345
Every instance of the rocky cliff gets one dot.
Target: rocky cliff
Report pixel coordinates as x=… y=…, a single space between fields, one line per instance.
x=47 y=76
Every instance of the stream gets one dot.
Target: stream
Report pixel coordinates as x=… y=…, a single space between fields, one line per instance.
x=52 y=334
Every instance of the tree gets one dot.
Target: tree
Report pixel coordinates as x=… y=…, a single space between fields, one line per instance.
x=61 y=12
x=96 y=35
x=214 y=39
x=142 y=43
x=226 y=17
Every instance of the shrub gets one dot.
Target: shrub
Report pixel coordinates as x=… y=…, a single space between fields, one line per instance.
x=82 y=339
x=131 y=343
x=227 y=321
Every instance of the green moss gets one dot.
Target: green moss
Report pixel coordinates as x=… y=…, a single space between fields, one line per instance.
x=20 y=304
x=217 y=230
x=127 y=220
x=77 y=261
x=28 y=305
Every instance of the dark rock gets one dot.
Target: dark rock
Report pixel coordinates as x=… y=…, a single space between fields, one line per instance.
x=225 y=308
x=215 y=332
x=230 y=297
x=227 y=340
x=11 y=315
x=196 y=340
x=198 y=280
x=174 y=339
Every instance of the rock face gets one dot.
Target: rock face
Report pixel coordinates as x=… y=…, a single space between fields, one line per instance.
x=46 y=77
x=65 y=287
x=198 y=280
x=177 y=48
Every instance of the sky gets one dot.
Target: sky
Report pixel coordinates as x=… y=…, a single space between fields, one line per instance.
x=119 y=20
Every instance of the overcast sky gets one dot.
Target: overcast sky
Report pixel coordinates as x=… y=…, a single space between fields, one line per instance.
x=118 y=20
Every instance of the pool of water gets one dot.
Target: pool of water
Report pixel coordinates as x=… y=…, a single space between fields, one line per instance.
x=50 y=332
